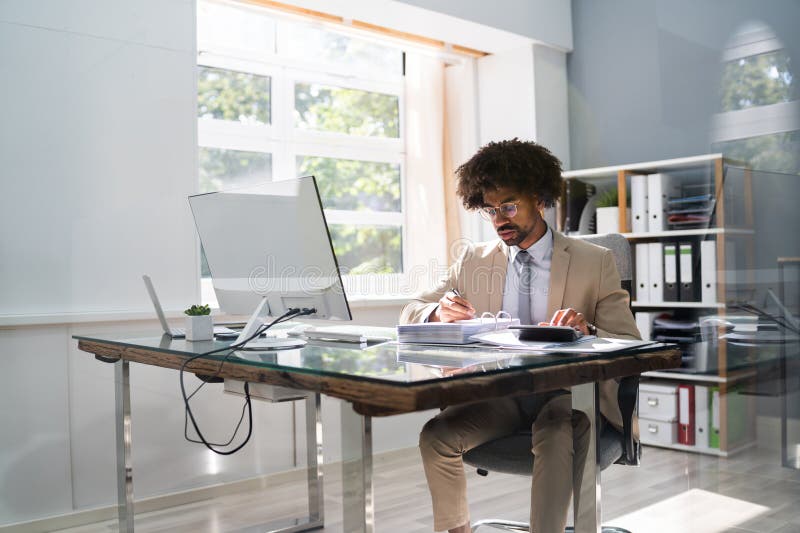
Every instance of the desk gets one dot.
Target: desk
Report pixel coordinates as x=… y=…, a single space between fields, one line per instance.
x=376 y=382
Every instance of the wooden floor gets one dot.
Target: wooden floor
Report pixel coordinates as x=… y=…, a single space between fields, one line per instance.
x=671 y=492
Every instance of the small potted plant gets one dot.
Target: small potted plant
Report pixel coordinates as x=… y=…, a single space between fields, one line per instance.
x=608 y=211
x=199 y=326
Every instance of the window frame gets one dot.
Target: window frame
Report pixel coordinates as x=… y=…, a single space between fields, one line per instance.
x=285 y=142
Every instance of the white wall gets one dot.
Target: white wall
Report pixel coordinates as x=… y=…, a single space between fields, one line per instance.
x=98 y=147
x=506 y=95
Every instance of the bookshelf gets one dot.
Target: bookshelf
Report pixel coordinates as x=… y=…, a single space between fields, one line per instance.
x=729 y=227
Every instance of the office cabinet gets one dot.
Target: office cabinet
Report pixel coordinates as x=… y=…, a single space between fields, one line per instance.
x=658 y=432
x=658 y=401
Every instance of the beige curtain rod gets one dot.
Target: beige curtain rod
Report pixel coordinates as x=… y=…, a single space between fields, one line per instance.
x=366 y=26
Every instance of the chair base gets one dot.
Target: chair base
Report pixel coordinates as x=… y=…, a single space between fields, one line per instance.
x=524 y=527
x=505 y=525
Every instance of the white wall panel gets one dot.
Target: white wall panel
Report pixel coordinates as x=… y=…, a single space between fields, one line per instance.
x=34 y=439
x=551 y=101
x=506 y=95
x=98 y=146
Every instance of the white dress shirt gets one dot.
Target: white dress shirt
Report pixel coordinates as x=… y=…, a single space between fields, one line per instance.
x=542 y=253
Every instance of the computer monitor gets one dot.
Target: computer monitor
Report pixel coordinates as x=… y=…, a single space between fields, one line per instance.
x=269 y=250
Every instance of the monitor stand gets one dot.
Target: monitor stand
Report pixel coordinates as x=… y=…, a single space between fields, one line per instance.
x=264 y=344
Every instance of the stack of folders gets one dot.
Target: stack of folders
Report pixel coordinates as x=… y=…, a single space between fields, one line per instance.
x=458 y=332
x=649 y=197
x=699 y=416
x=684 y=271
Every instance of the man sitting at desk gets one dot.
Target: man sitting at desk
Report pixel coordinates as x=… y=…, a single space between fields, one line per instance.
x=540 y=276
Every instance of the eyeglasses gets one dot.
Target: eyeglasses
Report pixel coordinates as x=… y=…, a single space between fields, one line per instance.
x=507 y=210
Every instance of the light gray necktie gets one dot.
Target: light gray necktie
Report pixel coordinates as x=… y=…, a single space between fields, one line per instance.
x=525 y=281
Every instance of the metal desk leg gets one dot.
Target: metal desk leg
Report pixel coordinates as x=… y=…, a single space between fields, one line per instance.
x=316 y=500
x=316 y=513
x=122 y=396
x=357 y=503
x=587 y=515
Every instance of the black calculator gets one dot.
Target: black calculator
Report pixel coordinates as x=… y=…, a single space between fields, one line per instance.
x=547 y=333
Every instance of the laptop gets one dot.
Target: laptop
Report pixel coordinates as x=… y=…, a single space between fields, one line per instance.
x=175 y=333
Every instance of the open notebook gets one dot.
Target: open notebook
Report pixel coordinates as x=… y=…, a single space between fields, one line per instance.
x=458 y=332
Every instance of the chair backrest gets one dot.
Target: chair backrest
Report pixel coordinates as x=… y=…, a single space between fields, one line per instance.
x=621 y=250
x=629 y=386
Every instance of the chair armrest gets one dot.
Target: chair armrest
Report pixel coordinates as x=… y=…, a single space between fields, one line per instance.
x=627 y=397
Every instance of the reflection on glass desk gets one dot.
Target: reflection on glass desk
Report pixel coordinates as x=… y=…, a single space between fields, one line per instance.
x=378 y=363
x=750 y=345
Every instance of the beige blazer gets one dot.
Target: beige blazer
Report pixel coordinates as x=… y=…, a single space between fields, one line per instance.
x=583 y=276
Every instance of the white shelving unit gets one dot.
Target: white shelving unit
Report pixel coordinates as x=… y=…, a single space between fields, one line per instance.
x=687 y=233
x=704 y=451
x=713 y=167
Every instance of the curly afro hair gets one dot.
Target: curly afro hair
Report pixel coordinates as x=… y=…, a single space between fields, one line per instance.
x=523 y=166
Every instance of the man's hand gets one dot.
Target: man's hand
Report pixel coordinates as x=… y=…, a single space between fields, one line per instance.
x=451 y=308
x=569 y=317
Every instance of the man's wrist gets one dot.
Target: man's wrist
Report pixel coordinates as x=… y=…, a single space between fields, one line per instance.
x=591 y=328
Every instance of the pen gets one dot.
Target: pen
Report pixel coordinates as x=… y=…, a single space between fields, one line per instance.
x=455 y=291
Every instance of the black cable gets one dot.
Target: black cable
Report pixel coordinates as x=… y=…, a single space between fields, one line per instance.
x=244 y=406
x=290 y=314
x=749 y=308
x=753 y=310
x=186 y=415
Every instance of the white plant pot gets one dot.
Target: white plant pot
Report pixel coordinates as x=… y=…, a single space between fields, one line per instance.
x=608 y=219
x=199 y=328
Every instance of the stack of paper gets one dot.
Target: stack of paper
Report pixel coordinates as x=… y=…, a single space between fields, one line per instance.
x=690 y=211
x=458 y=332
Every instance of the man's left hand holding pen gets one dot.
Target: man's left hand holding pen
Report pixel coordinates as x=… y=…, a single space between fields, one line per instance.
x=452 y=307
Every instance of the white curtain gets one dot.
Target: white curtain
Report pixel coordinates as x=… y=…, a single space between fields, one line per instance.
x=426 y=239
x=461 y=143
x=441 y=134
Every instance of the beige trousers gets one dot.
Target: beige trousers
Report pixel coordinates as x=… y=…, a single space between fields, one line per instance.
x=559 y=444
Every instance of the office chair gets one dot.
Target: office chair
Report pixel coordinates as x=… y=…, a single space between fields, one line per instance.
x=512 y=454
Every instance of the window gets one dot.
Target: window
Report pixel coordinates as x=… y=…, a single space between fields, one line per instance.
x=757 y=80
x=757 y=124
x=280 y=98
